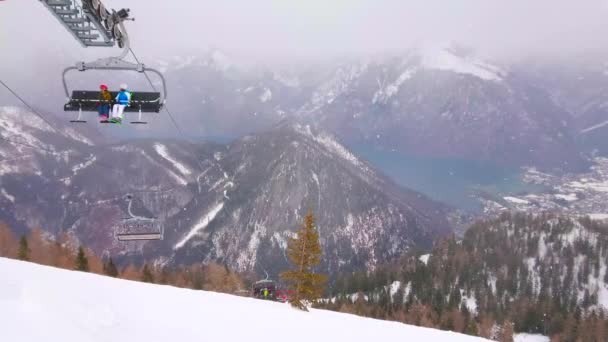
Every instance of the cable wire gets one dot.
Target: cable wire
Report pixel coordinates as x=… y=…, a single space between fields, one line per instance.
x=33 y=146
x=84 y=158
x=28 y=106
x=165 y=106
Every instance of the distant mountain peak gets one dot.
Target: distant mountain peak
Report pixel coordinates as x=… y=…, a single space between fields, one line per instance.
x=459 y=60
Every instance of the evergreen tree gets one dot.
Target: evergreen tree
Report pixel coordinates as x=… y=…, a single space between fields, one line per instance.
x=82 y=262
x=471 y=327
x=304 y=252
x=24 y=250
x=146 y=275
x=110 y=269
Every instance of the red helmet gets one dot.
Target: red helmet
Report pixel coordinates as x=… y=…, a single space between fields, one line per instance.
x=103 y=87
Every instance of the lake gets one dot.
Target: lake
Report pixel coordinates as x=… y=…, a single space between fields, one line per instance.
x=448 y=180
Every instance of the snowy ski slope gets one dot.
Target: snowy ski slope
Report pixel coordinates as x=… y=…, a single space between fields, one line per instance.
x=40 y=303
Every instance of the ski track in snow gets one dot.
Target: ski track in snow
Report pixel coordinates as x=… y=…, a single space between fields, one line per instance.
x=332 y=146
x=162 y=151
x=385 y=93
x=76 y=306
x=172 y=174
x=202 y=224
x=7 y=195
x=594 y=127
x=83 y=165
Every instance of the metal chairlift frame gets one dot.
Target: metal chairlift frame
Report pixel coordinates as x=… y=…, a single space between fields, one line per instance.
x=139 y=236
x=266 y=283
x=109 y=63
x=116 y=64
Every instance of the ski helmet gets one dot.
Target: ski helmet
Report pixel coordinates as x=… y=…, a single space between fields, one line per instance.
x=103 y=87
x=123 y=86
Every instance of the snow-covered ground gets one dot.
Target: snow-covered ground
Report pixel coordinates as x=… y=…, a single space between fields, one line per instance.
x=162 y=151
x=202 y=224
x=530 y=338
x=424 y=258
x=40 y=303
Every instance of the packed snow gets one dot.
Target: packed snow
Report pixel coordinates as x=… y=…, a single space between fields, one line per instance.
x=41 y=303
x=470 y=302
x=424 y=258
x=162 y=151
x=202 y=224
x=530 y=338
x=394 y=288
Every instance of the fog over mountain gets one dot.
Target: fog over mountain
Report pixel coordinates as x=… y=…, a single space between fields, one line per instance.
x=284 y=30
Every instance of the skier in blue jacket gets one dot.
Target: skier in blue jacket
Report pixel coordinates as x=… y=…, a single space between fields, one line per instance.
x=123 y=99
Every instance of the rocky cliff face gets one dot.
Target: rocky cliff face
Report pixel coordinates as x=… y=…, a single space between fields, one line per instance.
x=237 y=203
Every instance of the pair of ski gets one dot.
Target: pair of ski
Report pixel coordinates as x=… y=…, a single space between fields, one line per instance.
x=112 y=120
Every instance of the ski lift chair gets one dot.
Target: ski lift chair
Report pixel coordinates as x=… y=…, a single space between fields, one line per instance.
x=141 y=102
x=112 y=29
x=259 y=286
x=138 y=228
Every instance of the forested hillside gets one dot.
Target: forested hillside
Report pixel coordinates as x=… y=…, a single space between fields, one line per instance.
x=530 y=273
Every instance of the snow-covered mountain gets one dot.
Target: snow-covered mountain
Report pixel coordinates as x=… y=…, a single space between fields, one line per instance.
x=269 y=182
x=218 y=97
x=581 y=88
x=447 y=103
x=442 y=101
x=519 y=257
x=235 y=203
x=70 y=305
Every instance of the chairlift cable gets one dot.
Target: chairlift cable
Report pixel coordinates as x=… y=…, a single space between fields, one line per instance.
x=154 y=88
x=28 y=105
x=31 y=146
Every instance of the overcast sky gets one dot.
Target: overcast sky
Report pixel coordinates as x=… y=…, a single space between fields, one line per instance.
x=287 y=29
